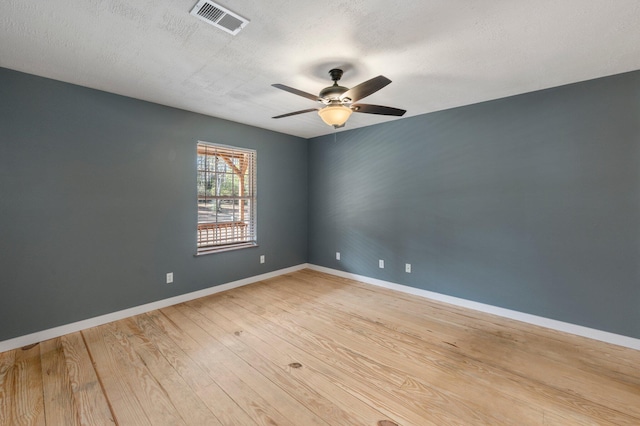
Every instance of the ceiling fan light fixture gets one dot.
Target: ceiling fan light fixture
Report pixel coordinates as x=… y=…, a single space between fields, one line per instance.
x=335 y=115
x=340 y=100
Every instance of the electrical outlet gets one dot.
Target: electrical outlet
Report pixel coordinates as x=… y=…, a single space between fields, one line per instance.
x=381 y=264
x=337 y=255
x=169 y=277
x=262 y=258
x=407 y=268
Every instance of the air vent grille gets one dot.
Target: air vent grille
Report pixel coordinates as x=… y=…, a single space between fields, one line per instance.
x=219 y=16
x=210 y=12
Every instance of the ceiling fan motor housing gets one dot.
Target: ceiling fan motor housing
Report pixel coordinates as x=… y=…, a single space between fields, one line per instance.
x=333 y=92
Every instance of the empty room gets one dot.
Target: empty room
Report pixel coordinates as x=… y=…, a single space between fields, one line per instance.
x=319 y=213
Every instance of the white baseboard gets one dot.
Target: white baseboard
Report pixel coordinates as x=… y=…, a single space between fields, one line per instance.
x=578 y=330
x=51 y=333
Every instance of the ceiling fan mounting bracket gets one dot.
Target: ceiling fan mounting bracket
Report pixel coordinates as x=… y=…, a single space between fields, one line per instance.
x=336 y=75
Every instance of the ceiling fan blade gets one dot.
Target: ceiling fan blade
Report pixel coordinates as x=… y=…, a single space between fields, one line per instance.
x=365 y=89
x=377 y=109
x=297 y=92
x=296 y=113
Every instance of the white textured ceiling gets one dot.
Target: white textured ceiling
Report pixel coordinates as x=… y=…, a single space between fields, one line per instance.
x=439 y=54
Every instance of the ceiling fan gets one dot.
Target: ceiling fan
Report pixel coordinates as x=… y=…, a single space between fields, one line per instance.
x=339 y=101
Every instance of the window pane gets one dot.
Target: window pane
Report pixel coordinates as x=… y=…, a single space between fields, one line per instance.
x=246 y=184
x=206 y=211
x=226 y=197
x=202 y=185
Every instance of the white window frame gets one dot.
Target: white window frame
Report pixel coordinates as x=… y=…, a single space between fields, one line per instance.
x=226 y=221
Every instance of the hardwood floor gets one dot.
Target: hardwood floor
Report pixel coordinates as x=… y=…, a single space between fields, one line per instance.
x=313 y=349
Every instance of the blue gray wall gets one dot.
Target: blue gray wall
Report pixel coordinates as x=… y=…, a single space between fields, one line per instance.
x=98 y=203
x=530 y=203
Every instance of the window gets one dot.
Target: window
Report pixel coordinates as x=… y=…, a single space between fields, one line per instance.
x=226 y=197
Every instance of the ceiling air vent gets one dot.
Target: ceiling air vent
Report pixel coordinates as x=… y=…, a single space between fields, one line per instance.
x=219 y=16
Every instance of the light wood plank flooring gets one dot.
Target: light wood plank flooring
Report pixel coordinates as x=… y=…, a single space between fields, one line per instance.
x=314 y=349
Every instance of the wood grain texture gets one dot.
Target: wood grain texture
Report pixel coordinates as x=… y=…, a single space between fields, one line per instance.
x=91 y=403
x=21 y=399
x=7 y=394
x=129 y=384
x=190 y=358
x=188 y=405
x=243 y=387
x=60 y=407
x=313 y=349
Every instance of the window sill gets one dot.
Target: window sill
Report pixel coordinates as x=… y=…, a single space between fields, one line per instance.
x=213 y=250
